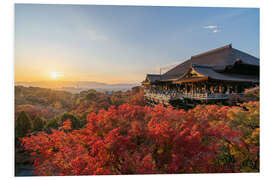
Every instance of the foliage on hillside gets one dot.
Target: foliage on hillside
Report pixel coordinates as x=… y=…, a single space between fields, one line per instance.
x=101 y=133
x=93 y=101
x=133 y=139
x=252 y=94
x=48 y=103
x=43 y=97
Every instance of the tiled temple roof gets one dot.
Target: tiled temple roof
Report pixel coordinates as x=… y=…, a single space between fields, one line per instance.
x=220 y=58
x=210 y=64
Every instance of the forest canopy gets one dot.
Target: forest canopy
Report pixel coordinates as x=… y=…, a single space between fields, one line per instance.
x=92 y=133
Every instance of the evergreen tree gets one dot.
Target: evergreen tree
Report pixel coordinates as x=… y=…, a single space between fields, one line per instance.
x=23 y=125
x=76 y=122
x=52 y=124
x=38 y=124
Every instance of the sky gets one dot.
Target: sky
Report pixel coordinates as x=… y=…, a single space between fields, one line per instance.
x=121 y=44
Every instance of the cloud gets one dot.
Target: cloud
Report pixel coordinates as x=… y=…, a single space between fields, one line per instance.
x=213 y=28
x=210 y=27
x=216 y=30
x=93 y=35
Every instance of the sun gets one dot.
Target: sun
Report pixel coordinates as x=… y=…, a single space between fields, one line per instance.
x=55 y=75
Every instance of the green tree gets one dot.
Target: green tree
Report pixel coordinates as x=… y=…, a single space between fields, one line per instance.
x=52 y=124
x=38 y=124
x=76 y=122
x=23 y=125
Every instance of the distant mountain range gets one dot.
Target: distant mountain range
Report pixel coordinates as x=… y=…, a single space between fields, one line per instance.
x=77 y=86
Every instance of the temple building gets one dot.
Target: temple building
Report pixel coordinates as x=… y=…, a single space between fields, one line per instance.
x=214 y=75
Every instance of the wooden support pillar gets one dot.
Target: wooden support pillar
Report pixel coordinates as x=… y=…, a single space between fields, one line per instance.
x=220 y=89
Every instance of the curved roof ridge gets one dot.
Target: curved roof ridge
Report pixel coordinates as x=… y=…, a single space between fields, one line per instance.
x=202 y=65
x=153 y=75
x=218 y=58
x=229 y=46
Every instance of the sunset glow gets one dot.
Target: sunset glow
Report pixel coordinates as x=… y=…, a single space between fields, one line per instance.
x=90 y=46
x=56 y=75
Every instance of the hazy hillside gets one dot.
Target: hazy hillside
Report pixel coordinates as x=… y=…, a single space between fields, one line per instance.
x=78 y=86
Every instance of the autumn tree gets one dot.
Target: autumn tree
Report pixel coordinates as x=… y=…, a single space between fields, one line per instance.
x=132 y=139
x=246 y=118
x=118 y=98
x=137 y=98
x=92 y=95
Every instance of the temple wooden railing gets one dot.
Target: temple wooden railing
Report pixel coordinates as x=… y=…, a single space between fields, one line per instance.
x=161 y=97
x=205 y=96
x=158 y=97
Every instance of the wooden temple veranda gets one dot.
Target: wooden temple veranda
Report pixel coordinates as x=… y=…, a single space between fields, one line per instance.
x=210 y=76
